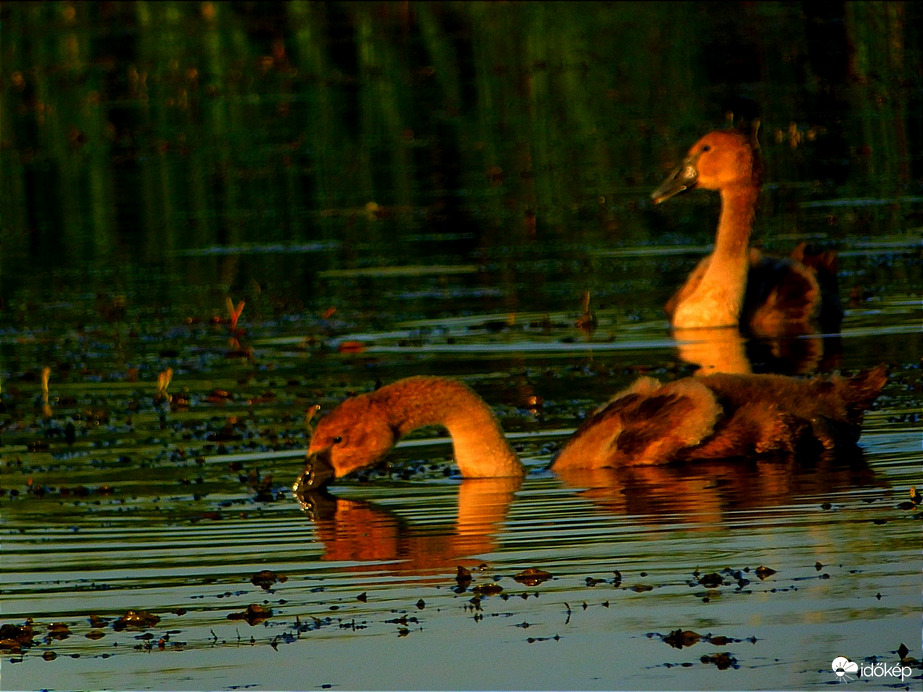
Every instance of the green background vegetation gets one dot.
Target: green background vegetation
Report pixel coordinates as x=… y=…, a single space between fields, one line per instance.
x=133 y=131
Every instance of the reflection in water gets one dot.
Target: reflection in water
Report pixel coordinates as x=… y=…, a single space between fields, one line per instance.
x=367 y=137
x=705 y=492
x=700 y=494
x=725 y=349
x=796 y=354
x=722 y=349
x=358 y=530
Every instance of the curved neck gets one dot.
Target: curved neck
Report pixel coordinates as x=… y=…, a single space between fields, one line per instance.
x=481 y=450
x=718 y=299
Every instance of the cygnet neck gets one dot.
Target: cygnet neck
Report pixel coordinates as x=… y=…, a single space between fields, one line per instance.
x=481 y=450
x=738 y=208
x=718 y=299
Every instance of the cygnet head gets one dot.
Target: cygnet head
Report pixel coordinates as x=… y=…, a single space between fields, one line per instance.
x=719 y=160
x=353 y=436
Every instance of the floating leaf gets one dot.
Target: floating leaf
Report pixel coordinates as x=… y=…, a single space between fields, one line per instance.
x=763 y=572
x=711 y=580
x=58 y=630
x=135 y=619
x=266 y=578
x=96 y=621
x=491 y=589
x=463 y=576
x=254 y=614
x=680 y=638
x=532 y=576
x=16 y=634
x=722 y=661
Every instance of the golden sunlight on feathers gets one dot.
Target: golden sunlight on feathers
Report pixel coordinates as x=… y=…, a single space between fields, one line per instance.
x=712 y=417
x=737 y=285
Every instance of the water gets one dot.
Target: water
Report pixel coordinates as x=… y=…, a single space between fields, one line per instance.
x=173 y=512
x=364 y=253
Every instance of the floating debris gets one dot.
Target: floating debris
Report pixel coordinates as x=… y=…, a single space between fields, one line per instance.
x=36 y=446
x=490 y=589
x=680 y=638
x=309 y=415
x=266 y=578
x=58 y=630
x=219 y=396
x=14 y=637
x=722 y=661
x=587 y=321
x=351 y=347
x=914 y=501
x=46 y=407
x=763 y=572
x=254 y=614
x=712 y=580
x=403 y=620
x=163 y=381
x=10 y=645
x=532 y=576
x=96 y=621
x=234 y=313
x=136 y=620
x=463 y=577
x=532 y=640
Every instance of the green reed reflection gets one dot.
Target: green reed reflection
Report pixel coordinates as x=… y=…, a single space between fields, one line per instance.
x=140 y=129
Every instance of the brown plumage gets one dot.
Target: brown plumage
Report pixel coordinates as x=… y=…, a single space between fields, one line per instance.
x=718 y=416
x=362 y=430
x=736 y=285
x=722 y=416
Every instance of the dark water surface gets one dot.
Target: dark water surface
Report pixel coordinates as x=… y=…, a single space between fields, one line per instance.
x=404 y=189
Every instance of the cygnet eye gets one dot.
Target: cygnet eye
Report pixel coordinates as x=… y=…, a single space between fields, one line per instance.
x=337 y=440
